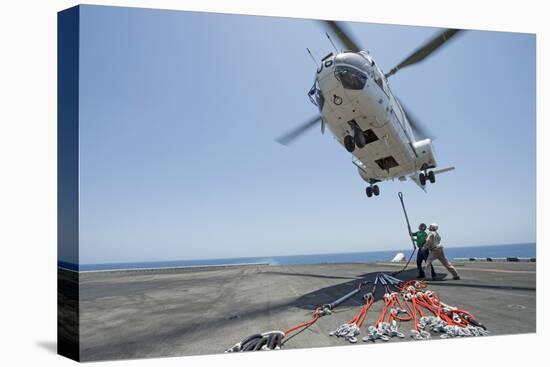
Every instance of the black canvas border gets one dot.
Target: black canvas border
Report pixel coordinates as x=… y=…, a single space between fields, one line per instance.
x=68 y=43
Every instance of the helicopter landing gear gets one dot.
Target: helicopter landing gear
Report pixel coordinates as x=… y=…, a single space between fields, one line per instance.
x=423 y=176
x=349 y=143
x=355 y=138
x=373 y=190
x=360 y=139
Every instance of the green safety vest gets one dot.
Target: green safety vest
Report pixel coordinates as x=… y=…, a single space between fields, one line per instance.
x=420 y=238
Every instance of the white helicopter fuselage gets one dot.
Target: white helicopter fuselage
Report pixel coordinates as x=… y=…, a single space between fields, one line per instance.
x=352 y=93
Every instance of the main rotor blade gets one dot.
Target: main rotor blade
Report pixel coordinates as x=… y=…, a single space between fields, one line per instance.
x=419 y=130
x=293 y=134
x=425 y=50
x=343 y=35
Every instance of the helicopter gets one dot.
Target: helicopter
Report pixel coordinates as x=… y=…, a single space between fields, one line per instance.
x=355 y=102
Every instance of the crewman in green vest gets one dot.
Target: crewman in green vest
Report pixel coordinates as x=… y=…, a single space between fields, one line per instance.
x=420 y=240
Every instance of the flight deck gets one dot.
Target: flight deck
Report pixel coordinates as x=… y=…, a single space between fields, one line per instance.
x=190 y=311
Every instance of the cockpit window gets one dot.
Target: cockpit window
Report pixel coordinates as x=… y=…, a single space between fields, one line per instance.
x=350 y=78
x=352 y=58
x=316 y=97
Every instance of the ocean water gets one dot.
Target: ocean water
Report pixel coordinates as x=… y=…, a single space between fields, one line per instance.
x=513 y=250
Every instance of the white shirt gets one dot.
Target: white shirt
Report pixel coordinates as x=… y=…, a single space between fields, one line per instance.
x=433 y=241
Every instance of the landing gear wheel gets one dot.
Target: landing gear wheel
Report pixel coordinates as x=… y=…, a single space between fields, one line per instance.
x=360 y=139
x=376 y=190
x=431 y=176
x=369 y=191
x=422 y=179
x=349 y=143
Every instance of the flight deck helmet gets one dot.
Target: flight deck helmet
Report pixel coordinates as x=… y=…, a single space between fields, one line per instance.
x=422 y=227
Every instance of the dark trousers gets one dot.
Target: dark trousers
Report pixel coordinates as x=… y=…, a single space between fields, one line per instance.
x=420 y=257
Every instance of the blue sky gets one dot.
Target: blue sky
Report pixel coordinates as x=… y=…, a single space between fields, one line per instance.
x=179 y=111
